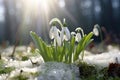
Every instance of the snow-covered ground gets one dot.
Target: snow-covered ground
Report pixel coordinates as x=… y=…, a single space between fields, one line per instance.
x=112 y=55
x=28 y=67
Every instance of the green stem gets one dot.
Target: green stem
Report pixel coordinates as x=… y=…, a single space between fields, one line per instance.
x=56 y=20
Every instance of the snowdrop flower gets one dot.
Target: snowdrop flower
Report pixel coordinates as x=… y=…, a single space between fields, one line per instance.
x=65 y=34
x=53 y=32
x=95 y=30
x=79 y=29
x=73 y=33
x=79 y=36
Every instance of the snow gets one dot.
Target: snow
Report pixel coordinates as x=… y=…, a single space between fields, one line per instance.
x=19 y=64
x=54 y=70
x=3 y=76
x=104 y=58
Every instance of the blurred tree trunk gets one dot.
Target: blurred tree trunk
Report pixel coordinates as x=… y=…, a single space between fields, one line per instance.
x=11 y=21
x=93 y=13
x=107 y=15
x=14 y=22
x=7 y=21
x=96 y=12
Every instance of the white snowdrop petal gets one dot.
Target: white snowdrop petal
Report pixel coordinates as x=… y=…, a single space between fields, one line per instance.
x=54 y=42
x=65 y=34
x=95 y=31
x=56 y=33
x=59 y=41
x=76 y=38
x=73 y=33
x=53 y=32
x=62 y=34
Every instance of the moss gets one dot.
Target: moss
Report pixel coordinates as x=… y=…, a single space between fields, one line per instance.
x=86 y=70
x=20 y=77
x=90 y=72
x=35 y=74
x=25 y=58
x=5 y=70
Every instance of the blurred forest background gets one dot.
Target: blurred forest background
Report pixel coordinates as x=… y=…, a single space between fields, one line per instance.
x=18 y=17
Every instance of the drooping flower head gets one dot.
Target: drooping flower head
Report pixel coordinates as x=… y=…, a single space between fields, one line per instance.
x=79 y=34
x=73 y=33
x=95 y=30
x=79 y=29
x=55 y=34
x=78 y=37
x=65 y=33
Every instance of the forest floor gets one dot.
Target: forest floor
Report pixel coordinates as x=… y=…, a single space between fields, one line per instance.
x=23 y=64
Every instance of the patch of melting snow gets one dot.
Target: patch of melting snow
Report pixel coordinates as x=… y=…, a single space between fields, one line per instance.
x=15 y=72
x=19 y=64
x=55 y=70
x=104 y=58
x=30 y=70
x=8 y=51
x=3 y=76
x=25 y=70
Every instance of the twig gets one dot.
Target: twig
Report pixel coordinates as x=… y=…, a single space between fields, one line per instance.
x=12 y=56
x=16 y=43
x=0 y=56
x=33 y=63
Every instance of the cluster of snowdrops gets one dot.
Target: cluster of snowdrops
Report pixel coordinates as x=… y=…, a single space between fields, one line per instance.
x=65 y=46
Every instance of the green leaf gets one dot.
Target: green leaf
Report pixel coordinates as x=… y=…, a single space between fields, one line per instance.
x=59 y=52
x=40 y=45
x=62 y=56
x=88 y=38
x=71 y=48
x=86 y=42
x=79 y=48
x=82 y=45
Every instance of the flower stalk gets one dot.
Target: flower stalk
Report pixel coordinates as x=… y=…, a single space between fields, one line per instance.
x=97 y=31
